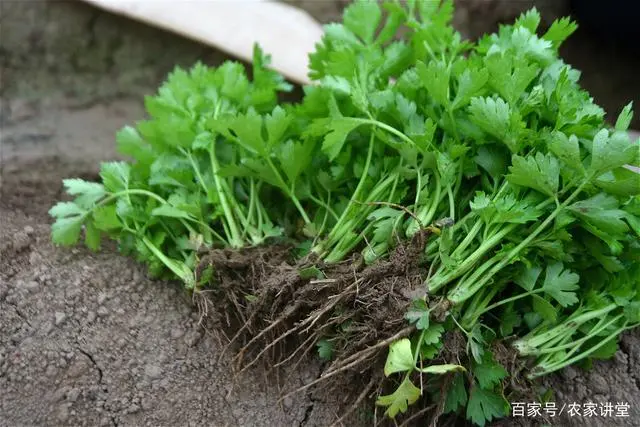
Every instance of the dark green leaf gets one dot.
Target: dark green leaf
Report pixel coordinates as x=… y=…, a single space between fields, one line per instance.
x=544 y=308
x=621 y=182
x=485 y=405
x=528 y=277
x=560 y=284
x=91 y=236
x=496 y=118
x=418 y=314
x=325 y=350
x=489 y=373
x=337 y=131
x=540 y=172
x=435 y=77
x=492 y=159
x=456 y=395
x=602 y=212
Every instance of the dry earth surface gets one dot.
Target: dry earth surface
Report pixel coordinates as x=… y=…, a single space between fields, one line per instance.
x=88 y=339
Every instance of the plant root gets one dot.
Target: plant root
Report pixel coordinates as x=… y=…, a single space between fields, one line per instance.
x=278 y=314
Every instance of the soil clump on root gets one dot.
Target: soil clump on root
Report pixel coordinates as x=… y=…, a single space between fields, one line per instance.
x=274 y=311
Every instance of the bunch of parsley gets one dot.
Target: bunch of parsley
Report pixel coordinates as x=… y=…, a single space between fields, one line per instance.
x=492 y=144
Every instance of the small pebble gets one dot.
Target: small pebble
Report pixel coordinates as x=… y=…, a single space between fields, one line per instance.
x=193 y=338
x=63 y=413
x=102 y=297
x=60 y=317
x=51 y=371
x=599 y=383
x=32 y=285
x=73 y=395
x=287 y=402
x=177 y=333
x=569 y=373
x=153 y=371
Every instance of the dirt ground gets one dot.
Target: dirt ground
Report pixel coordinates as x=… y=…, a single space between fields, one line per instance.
x=88 y=339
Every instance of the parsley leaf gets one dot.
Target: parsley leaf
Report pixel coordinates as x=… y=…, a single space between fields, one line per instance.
x=398 y=402
x=489 y=373
x=560 y=284
x=485 y=405
x=325 y=349
x=611 y=151
x=495 y=117
x=66 y=230
x=540 y=172
x=560 y=30
x=601 y=212
x=363 y=18
x=400 y=357
x=625 y=117
x=418 y=314
x=456 y=395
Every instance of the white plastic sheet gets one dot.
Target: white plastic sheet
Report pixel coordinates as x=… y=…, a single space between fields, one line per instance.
x=285 y=32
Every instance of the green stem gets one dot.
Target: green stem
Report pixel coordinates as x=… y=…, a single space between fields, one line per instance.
x=252 y=200
x=324 y=205
x=594 y=332
x=141 y=192
x=195 y=168
x=416 y=355
x=536 y=340
x=359 y=187
x=235 y=238
x=418 y=187
x=475 y=309
x=435 y=202
x=426 y=213
x=178 y=268
x=438 y=281
x=341 y=240
x=337 y=232
x=471 y=235
x=463 y=293
x=433 y=245
x=566 y=362
x=344 y=247
x=324 y=220
x=287 y=190
x=389 y=129
x=511 y=299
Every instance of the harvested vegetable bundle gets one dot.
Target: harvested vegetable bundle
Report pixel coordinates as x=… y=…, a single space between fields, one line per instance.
x=457 y=202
